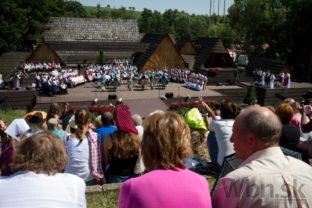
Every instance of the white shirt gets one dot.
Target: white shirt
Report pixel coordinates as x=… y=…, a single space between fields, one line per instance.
x=28 y=189
x=267 y=178
x=78 y=158
x=223 y=129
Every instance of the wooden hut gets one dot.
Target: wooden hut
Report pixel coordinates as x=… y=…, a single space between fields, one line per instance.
x=211 y=53
x=160 y=54
x=44 y=54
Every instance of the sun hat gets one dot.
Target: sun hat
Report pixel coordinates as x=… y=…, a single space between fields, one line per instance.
x=123 y=119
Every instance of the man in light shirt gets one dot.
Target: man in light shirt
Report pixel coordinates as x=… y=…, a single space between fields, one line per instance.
x=266 y=177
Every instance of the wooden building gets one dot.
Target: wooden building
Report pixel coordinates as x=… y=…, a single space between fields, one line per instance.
x=211 y=53
x=10 y=61
x=44 y=54
x=161 y=53
x=80 y=40
x=188 y=52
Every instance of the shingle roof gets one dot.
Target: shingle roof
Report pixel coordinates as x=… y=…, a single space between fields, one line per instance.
x=208 y=45
x=153 y=40
x=91 y=30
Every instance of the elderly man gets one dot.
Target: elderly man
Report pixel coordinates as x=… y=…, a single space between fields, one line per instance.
x=266 y=177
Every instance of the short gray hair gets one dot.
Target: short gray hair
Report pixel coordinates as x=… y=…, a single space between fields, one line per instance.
x=262 y=123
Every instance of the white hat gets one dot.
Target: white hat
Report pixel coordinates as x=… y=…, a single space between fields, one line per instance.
x=17 y=128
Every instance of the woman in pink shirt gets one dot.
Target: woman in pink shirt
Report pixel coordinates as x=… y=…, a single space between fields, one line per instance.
x=167 y=183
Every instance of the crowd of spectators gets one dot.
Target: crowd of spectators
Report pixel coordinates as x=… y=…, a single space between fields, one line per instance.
x=163 y=153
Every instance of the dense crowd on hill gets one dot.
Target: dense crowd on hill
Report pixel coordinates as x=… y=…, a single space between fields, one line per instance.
x=164 y=149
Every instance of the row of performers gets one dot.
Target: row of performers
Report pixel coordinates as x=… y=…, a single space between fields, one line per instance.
x=271 y=80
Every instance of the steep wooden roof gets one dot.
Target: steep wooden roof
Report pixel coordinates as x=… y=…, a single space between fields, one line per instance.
x=91 y=30
x=161 y=53
x=44 y=53
x=208 y=46
x=153 y=40
x=186 y=47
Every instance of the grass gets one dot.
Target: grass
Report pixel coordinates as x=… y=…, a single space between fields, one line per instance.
x=109 y=199
x=10 y=115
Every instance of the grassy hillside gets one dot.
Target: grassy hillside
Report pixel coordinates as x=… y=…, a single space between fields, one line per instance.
x=105 y=11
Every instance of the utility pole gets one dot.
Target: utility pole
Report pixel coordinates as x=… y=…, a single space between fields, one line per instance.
x=224 y=11
x=218 y=11
x=210 y=20
x=212 y=12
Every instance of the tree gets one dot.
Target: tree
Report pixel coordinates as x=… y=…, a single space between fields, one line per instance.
x=101 y=58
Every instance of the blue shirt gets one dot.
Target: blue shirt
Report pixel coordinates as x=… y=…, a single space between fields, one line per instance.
x=59 y=133
x=104 y=131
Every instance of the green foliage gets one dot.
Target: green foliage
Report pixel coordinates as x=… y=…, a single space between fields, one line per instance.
x=22 y=22
x=101 y=58
x=225 y=32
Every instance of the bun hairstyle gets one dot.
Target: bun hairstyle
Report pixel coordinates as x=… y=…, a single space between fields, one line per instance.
x=228 y=109
x=82 y=118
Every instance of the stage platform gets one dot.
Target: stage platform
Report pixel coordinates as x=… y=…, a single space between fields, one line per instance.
x=140 y=100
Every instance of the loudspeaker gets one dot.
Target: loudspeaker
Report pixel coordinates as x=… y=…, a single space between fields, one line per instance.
x=112 y=97
x=169 y=95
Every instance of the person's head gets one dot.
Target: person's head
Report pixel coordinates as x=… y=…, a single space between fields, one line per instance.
x=123 y=119
x=255 y=128
x=82 y=120
x=271 y=108
x=228 y=109
x=54 y=111
x=138 y=121
x=40 y=153
x=285 y=112
x=98 y=122
x=36 y=121
x=107 y=119
x=52 y=123
x=166 y=141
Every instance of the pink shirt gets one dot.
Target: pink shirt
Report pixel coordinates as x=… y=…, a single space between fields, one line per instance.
x=166 y=188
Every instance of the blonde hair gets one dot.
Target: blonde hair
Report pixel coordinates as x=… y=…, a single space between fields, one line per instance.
x=41 y=153
x=166 y=141
x=285 y=112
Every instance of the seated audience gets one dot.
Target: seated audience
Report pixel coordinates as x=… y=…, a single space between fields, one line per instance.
x=166 y=142
x=38 y=180
x=53 y=127
x=83 y=150
x=266 y=177
x=121 y=148
x=290 y=133
x=108 y=126
x=222 y=127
